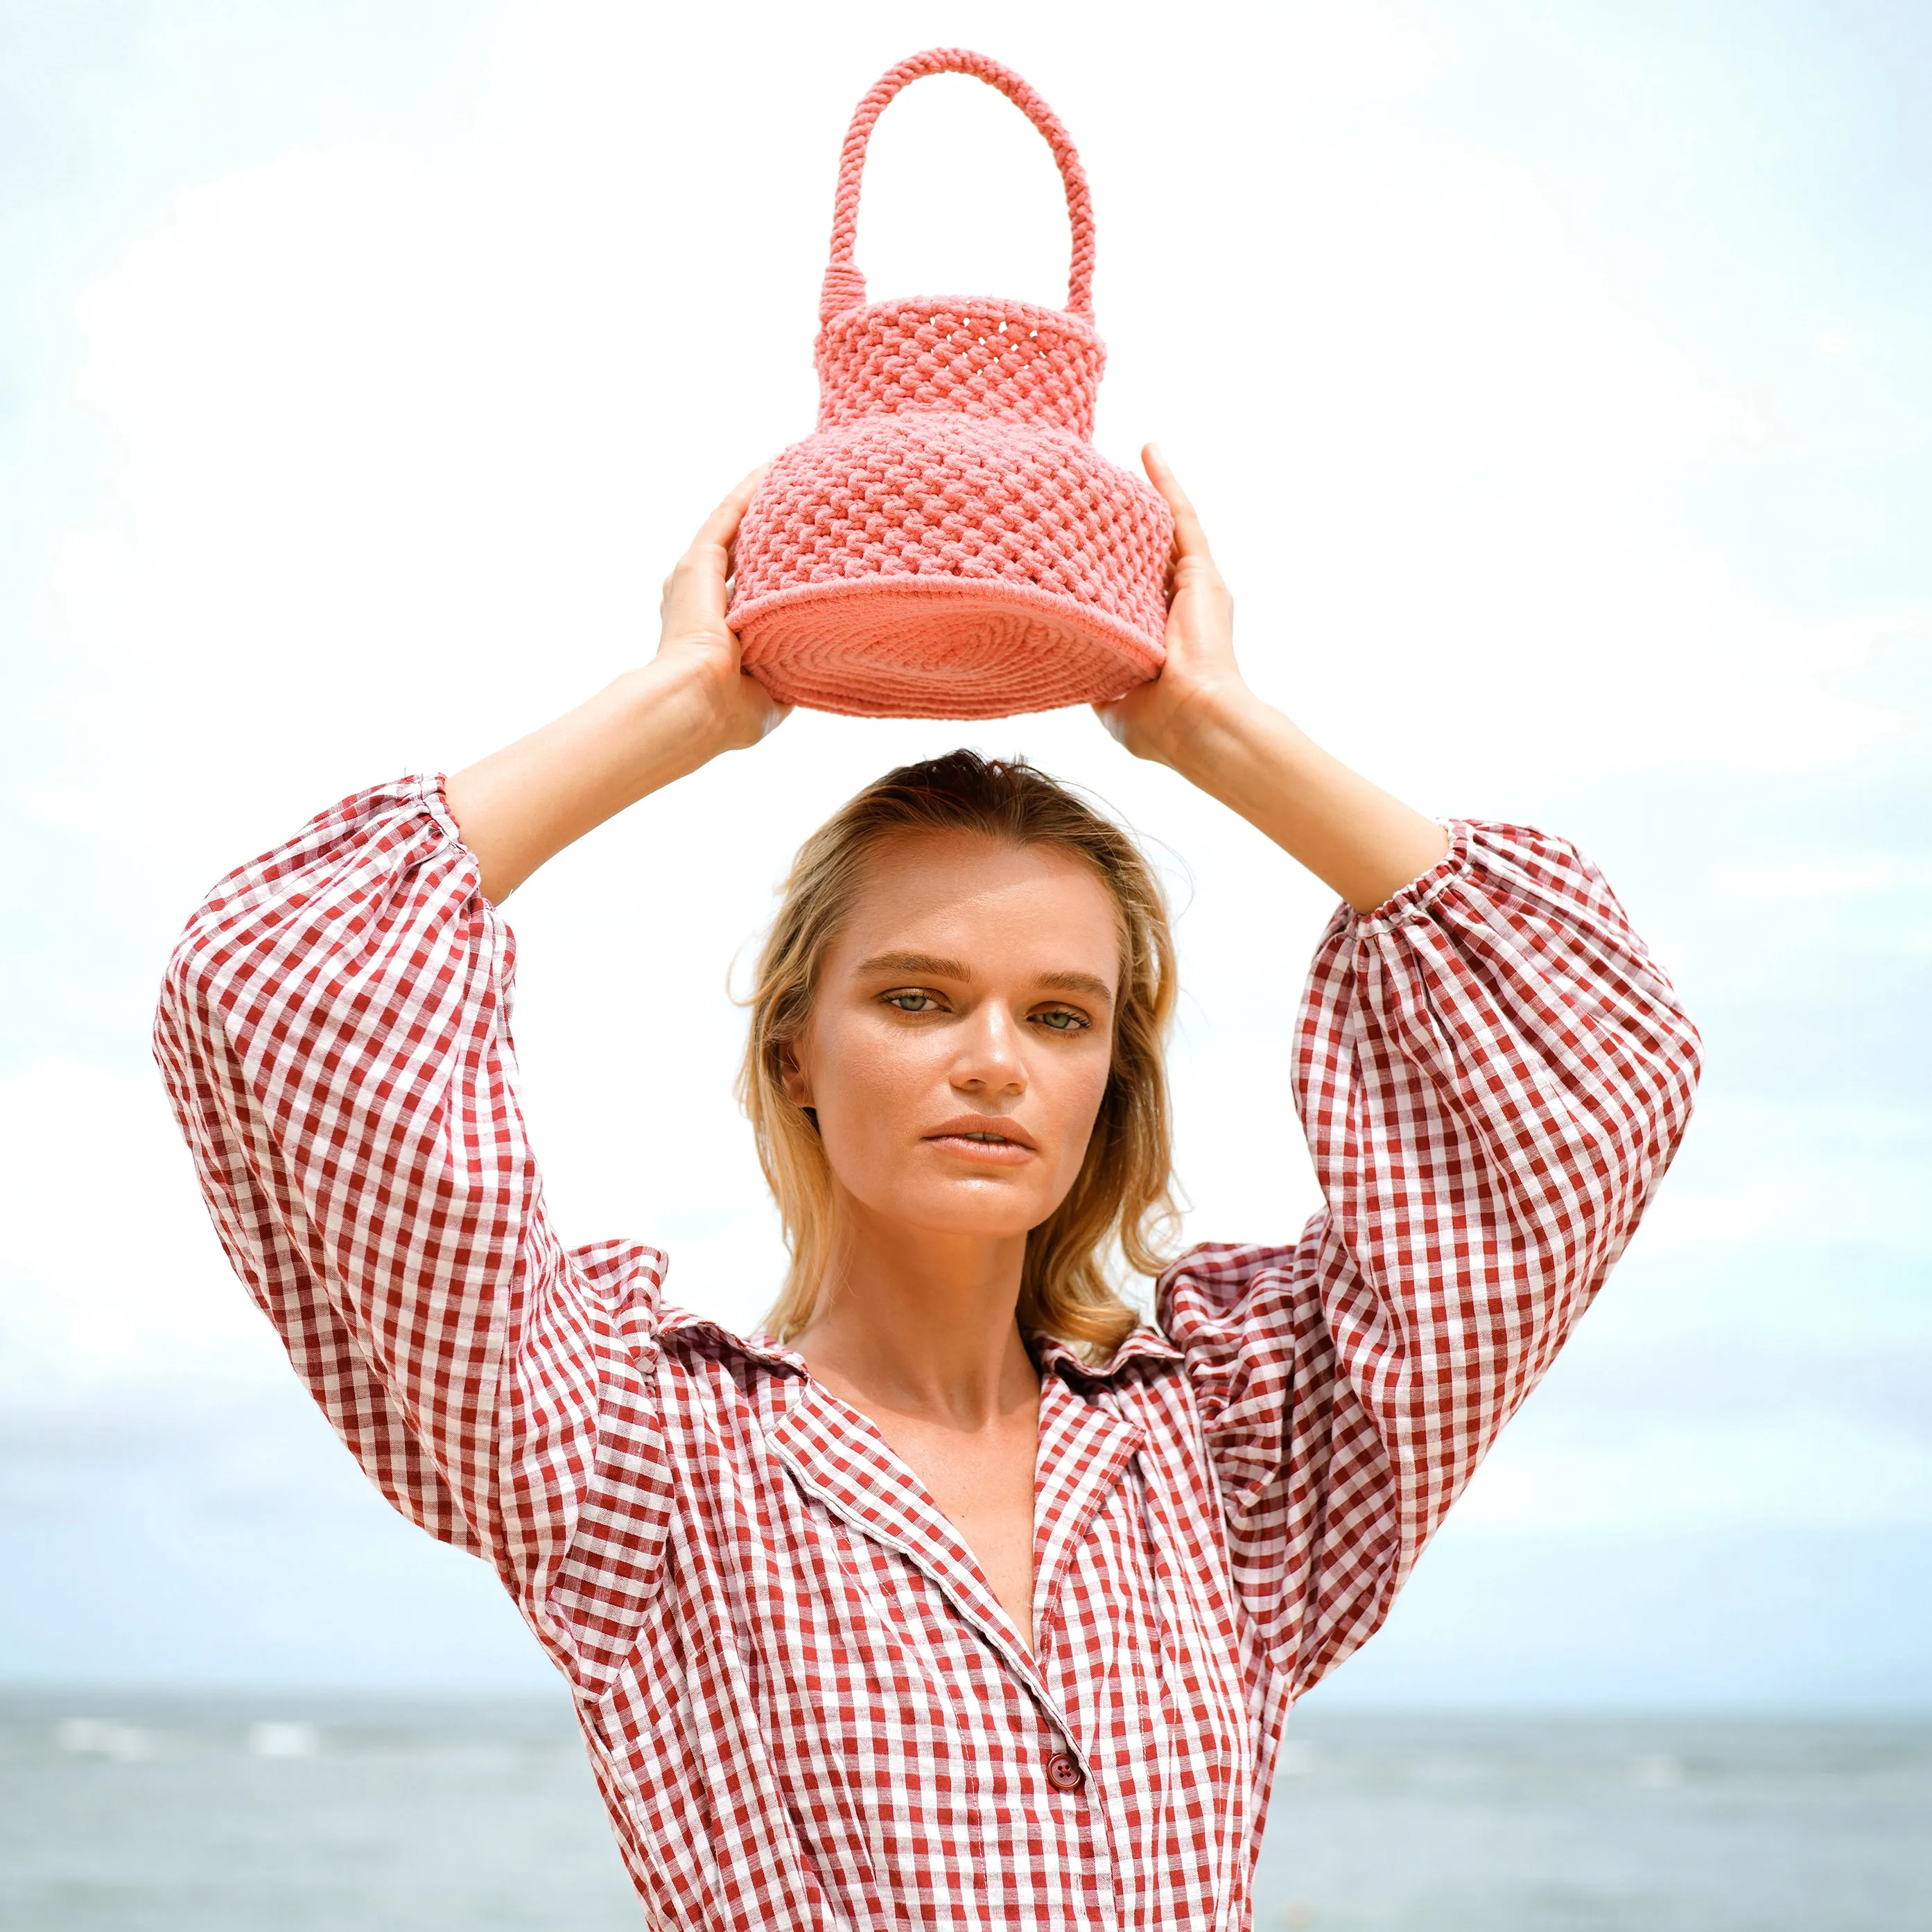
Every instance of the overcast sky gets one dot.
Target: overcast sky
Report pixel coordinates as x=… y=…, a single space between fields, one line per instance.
x=1555 y=380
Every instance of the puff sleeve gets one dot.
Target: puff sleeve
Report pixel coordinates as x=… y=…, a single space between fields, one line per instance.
x=1493 y=1076
x=333 y=1032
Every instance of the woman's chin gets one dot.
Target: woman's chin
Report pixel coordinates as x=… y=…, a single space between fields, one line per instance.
x=977 y=1207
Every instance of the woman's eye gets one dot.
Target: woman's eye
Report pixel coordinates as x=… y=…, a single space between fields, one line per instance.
x=1062 y=1019
x=913 y=1003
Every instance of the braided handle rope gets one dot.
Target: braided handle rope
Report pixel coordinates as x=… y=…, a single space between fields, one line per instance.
x=844 y=285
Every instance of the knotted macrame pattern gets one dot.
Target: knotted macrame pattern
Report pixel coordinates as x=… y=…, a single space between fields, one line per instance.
x=948 y=543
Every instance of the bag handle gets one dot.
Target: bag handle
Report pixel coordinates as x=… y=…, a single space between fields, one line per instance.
x=844 y=285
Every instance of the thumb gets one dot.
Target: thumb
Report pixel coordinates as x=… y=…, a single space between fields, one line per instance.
x=1111 y=713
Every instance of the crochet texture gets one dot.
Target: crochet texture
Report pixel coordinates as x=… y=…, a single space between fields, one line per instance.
x=948 y=543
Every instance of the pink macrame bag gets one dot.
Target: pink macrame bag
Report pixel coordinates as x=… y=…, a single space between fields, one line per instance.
x=948 y=544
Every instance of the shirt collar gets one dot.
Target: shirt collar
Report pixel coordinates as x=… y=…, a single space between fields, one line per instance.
x=687 y=1326
x=1144 y=1344
x=1050 y=1354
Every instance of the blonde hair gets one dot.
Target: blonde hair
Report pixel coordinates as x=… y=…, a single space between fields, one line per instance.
x=1122 y=1199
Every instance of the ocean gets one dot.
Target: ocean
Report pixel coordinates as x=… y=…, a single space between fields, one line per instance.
x=291 y=1813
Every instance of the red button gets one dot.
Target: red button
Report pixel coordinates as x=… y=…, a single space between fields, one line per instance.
x=1063 y=1774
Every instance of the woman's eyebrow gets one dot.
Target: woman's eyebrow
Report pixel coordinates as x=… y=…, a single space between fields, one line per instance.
x=934 y=968
x=929 y=964
x=1077 y=982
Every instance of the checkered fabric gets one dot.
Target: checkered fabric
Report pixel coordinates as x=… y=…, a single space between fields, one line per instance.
x=804 y=1704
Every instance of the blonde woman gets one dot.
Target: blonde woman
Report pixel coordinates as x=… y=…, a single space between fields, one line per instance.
x=961 y=1596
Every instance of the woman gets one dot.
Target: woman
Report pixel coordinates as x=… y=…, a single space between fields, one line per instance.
x=962 y=1597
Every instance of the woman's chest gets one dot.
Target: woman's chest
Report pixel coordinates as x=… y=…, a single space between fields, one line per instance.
x=824 y=1624
x=985 y=1483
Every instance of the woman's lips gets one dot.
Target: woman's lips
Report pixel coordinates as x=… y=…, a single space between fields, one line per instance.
x=992 y=1141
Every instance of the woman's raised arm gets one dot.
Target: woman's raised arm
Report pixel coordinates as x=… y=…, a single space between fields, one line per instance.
x=1199 y=717
x=1492 y=1074
x=522 y=805
x=334 y=1031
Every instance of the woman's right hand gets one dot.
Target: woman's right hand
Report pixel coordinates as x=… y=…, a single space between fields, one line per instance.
x=521 y=805
x=695 y=640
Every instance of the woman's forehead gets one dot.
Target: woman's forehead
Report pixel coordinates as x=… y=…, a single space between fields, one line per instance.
x=916 y=891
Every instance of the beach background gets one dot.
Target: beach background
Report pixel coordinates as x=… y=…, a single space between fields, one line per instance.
x=1555 y=380
x=197 y=1814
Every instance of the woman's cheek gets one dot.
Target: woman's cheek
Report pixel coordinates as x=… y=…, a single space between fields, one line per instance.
x=875 y=1095
x=889 y=1076
x=1078 y=1083
x=1096 y=1094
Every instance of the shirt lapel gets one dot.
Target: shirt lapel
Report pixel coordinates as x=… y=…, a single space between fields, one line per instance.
x=837 y=1456
x=1084 y=1449
x=1086 y=1445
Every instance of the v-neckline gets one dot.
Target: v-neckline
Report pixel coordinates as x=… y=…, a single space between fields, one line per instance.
x=869 y=1423
x=838 y=1452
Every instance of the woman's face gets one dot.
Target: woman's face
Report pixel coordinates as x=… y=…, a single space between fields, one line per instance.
x=961 y=1032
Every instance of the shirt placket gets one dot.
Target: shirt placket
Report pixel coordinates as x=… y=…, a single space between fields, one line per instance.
x=840 y=1458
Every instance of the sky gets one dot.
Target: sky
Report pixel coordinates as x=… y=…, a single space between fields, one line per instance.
x=1555 y=381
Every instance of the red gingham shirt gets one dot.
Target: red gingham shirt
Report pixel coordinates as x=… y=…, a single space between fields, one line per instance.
x=804 y=1704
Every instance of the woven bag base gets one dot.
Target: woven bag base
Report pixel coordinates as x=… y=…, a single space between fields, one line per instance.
x=936 y=647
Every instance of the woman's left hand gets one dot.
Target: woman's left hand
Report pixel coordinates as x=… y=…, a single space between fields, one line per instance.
x=1199 y=717
x=1163 y=718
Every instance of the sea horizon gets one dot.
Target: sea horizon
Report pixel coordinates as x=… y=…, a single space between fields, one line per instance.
x=236 y=1807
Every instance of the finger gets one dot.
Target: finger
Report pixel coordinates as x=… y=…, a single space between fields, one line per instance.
x=775 y=715
x=1189 y=538
x=694 y=592
x=1108 y=713
x=713 y=539
x=722 y=524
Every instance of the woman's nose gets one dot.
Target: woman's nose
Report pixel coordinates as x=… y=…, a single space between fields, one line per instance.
x=989 y=1059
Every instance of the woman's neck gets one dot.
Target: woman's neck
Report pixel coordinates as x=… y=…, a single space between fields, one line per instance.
x=922 y=1323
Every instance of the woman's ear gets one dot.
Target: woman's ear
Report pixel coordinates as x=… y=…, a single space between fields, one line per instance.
x=792 y=1075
